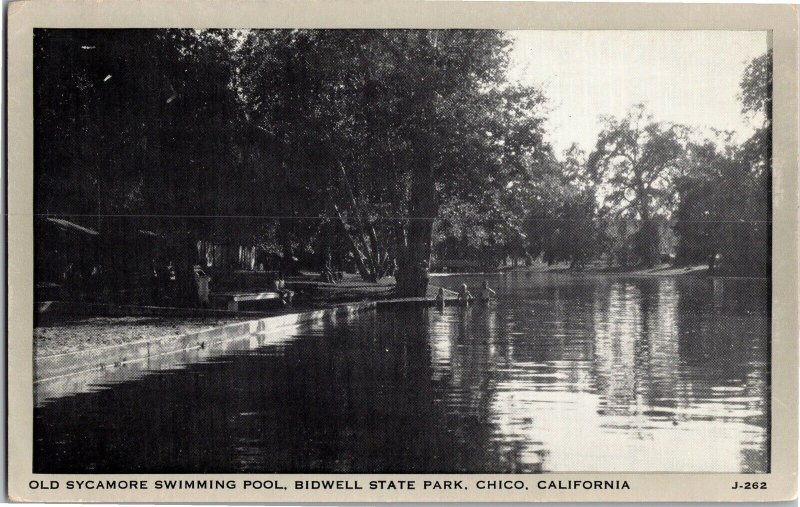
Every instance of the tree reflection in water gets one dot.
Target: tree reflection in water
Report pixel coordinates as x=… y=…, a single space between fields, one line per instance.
x=562 y=373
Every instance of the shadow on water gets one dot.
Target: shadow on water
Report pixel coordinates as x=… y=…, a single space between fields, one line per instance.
x=560 y=374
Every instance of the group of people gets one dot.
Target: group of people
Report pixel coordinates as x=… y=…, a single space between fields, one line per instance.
x=465 y=297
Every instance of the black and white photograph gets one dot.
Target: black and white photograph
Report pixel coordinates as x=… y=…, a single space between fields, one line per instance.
x=402 y=251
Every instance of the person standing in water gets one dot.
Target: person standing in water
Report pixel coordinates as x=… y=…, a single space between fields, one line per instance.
x=440 y=298
x=464 y=295
x=487 y=294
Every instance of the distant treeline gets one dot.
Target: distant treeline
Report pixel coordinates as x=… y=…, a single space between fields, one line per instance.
x=383 y=149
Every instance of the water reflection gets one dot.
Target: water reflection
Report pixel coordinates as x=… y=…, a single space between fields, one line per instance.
x=560 y=374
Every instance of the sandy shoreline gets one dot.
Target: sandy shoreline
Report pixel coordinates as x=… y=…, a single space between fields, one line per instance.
x=72 y=334
x=83 y=333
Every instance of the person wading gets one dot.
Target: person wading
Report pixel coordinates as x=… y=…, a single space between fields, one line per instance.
x=440 y=298
x=487 y=294
x=464 y=295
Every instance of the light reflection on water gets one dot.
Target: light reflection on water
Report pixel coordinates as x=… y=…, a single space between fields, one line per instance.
x=621 y=376
x=562 y=373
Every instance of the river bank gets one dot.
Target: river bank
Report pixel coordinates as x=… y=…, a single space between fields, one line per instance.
x=70 y=333
x=660 y=270
x=564 y=268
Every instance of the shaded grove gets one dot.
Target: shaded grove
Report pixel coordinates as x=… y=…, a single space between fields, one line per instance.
x=382 y=152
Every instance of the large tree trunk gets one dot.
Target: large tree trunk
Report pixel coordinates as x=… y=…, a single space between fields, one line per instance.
x=414 y=246
x=415 y=252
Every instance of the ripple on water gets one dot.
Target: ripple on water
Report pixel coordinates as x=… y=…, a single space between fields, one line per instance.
x=561 y=374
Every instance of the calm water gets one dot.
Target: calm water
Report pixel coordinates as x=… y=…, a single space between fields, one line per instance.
x=562 y=373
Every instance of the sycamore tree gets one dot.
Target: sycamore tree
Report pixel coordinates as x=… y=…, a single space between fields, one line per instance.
x=376 y=129
x=635 y=162
x=306 y=137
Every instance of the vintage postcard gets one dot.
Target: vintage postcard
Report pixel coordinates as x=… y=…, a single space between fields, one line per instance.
x=364 y=251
